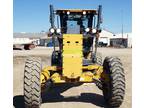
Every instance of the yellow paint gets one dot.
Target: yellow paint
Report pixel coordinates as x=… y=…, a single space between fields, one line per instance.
x=86 y=77
x=72 y=55
x=53 y=68
x=92 y=67
x=45 y=75
x=56 y=77
x=72 y=64
x=98 y=73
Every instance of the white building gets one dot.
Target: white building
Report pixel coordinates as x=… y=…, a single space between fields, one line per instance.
x=106 y=37
x=127 y=36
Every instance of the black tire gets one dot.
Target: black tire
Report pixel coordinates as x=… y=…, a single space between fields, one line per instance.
x=99 y=58
x=114 y=89
x=32 y=85
x=26 y=47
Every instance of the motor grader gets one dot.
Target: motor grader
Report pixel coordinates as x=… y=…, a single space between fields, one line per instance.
x=76 y=61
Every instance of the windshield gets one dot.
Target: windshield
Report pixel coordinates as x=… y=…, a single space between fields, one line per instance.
x=75 y=23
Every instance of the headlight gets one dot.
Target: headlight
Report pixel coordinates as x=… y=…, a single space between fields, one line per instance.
x=68 y=12
x=87 y=29
x=52 y=30
x=84 y=12
x=58 y=30
x=93 y=30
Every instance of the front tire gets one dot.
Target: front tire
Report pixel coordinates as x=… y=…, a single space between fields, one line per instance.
x=32 y=85
x=114 y=88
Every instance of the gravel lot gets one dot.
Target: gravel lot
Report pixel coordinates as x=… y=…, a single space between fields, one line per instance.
x=84 y=96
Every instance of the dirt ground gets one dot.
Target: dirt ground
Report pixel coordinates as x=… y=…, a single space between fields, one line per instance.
x=83 y=96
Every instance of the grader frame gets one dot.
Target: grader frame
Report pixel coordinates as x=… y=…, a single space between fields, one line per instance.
x=71 y=47
x=76 y=61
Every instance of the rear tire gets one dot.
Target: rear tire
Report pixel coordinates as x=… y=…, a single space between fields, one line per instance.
x=32 y=85
x=114 y=89
x=99 y=58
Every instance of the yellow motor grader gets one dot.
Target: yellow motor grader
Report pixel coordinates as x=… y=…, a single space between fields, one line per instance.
x=76 y=61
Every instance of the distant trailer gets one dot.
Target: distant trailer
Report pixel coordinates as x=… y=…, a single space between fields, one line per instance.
x=23 y=43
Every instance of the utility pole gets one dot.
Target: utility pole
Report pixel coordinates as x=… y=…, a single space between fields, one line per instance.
x=122 y=22
x=122 y=42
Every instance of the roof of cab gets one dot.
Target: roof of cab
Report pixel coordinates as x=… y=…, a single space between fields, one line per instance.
x=76 y=11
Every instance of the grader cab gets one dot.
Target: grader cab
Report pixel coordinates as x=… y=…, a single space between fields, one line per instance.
x=77 y=60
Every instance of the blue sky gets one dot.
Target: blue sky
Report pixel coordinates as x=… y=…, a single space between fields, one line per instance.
x=33 y=15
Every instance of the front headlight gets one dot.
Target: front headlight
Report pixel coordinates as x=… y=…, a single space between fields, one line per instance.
x=68 y=12
x=52 y=30
x=93 y=30
x=58 y=30
x=87 y=29
x=84 y=12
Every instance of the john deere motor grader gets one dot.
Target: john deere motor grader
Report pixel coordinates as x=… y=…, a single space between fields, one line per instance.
x=76 y=61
